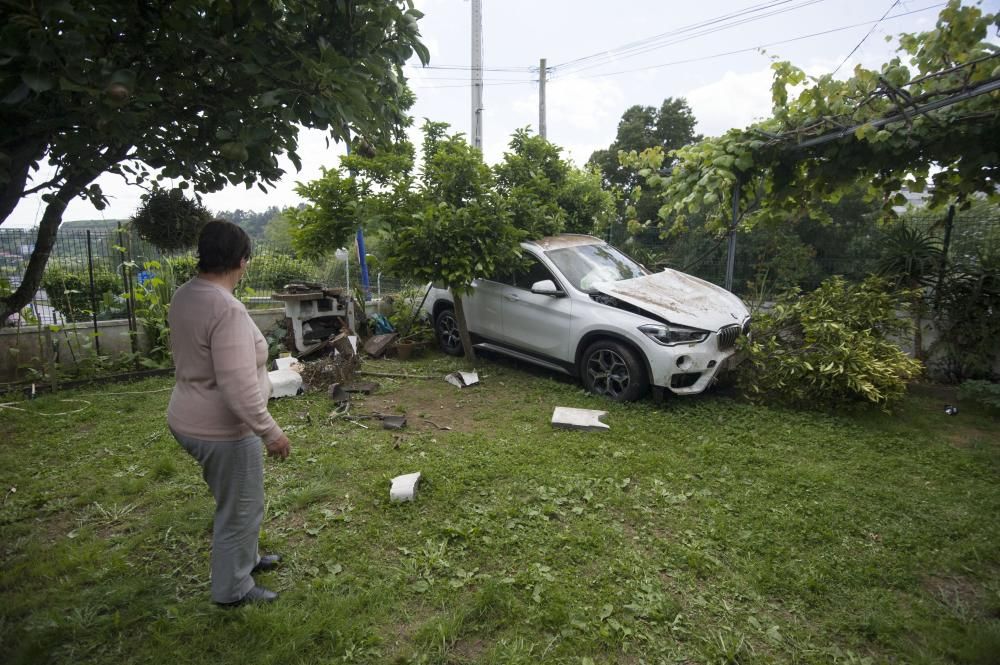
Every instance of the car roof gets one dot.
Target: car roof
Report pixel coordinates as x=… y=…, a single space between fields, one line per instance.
x=565 y=240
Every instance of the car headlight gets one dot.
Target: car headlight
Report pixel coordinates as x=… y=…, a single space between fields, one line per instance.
x=670 y=334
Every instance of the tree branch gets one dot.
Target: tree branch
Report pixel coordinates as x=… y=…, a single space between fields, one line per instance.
x=75 y=183
x=22 y=157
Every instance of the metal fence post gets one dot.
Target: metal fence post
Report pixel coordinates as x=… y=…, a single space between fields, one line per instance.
x=129 y=294
x=731 y=258
x=93 y=294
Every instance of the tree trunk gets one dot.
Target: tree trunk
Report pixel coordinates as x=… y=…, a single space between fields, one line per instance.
x=47 y=229
x=22 y=156
x=918 y=325
x=463 y=331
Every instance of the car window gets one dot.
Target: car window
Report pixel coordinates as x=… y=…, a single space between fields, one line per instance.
x=532 y=270
x=586 y=265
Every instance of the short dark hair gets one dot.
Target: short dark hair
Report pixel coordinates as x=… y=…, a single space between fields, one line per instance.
x=221 y=247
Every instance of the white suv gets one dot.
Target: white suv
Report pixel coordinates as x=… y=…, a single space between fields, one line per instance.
x=581 y=307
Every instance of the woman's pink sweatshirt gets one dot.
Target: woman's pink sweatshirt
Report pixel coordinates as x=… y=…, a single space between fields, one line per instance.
x=221 y=360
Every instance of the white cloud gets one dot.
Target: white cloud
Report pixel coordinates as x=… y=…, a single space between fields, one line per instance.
x=584 y=103
x=735 y=100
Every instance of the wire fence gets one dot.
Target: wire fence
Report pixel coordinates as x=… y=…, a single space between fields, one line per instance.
x=96 y=275
x=779 y=258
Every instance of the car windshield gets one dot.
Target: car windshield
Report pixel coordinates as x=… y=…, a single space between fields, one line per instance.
x=586 y=265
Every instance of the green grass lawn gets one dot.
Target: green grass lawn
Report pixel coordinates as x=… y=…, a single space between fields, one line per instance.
x=706 y=530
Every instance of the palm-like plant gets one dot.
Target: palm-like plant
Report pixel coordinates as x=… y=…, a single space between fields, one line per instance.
x=911 y=259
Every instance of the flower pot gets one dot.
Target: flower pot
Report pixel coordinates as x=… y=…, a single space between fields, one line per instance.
x=405 y=349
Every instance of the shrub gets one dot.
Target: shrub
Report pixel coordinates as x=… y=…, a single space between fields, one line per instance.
x=967 y=314
x=182 y=267
x=985 y=393
x=830 y=346
x=69 y=290
x=273 y=271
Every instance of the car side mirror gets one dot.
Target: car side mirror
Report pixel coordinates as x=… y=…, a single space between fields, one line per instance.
x=547 y=287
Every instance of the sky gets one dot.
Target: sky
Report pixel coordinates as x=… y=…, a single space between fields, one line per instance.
x=602 y=57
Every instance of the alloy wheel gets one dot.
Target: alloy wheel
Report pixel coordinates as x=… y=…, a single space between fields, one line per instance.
x=607 y=373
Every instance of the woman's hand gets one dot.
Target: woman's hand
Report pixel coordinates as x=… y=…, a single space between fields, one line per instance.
x=280 y=447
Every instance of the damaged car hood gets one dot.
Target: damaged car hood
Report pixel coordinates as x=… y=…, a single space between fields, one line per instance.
x=679 y=298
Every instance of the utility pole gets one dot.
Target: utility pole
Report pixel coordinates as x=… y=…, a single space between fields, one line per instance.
x=477 y=74
x=541 y=97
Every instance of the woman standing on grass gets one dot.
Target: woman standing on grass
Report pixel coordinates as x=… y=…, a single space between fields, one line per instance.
x=218 y=409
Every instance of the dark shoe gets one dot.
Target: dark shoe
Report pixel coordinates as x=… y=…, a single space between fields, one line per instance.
x=266 y=563
x=254 y=596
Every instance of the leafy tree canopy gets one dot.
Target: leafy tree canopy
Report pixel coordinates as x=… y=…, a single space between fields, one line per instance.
x=208 y=92
x=373 y=190
x=546 y=194
x=670 y=127
x=927 y=117
x=459 y=229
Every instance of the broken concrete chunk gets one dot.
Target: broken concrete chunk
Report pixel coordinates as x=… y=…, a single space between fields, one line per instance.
x=462 y=379
x=393 y=422
x=404 y=488
x=285 y=383
x=338 y=394
x=582 y=419
x=285 y=362
x=378 y=344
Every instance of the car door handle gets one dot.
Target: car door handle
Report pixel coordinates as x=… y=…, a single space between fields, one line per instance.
x=512 y=297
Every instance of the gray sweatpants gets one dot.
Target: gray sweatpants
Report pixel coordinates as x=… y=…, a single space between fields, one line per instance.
x=234 y=471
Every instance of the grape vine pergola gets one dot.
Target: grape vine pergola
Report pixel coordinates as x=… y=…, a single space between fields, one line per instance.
x=933 y=121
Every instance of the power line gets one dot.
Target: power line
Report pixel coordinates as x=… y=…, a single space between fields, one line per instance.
x=631 y=46
x=756 y=47
x=684 y=34
x=891 y=7
x=467 y=84
x=525 y=69
x=648 y=40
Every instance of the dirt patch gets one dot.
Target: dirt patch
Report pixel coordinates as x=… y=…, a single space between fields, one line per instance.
x=427 y=405
x=963 y=596
x=467 y=650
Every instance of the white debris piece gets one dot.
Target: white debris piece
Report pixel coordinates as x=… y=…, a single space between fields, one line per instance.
x=584 y=419
x=404 y=488
x=285 y=383
x=462 y=379
x=285 y=362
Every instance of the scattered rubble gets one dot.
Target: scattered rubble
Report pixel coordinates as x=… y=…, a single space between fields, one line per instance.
x=587 y=420
x=319 y=374
x=377 y=345
x=338 y=394
x=404 y=488
x=462 y=379
x=393 y=422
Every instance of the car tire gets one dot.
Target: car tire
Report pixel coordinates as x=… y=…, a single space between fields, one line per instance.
x=446 y=330
x=613 y=370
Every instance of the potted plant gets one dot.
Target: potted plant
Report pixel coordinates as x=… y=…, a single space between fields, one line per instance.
x=413 y=329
